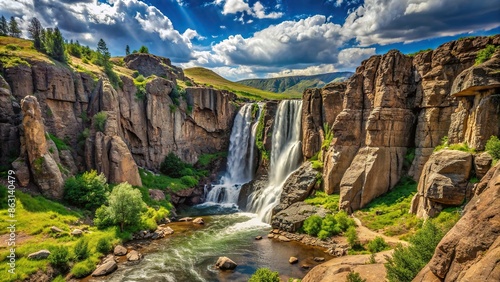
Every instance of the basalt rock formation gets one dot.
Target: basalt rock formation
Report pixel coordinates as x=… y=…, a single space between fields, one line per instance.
x=140 y=127
x=473 y=257
x=394 y=102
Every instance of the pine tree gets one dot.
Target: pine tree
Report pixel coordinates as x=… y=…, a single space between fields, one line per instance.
x=127 y=50
x=4 y=27
x=58 y=51
x=104 y=54
x=35 y=29
x=14 y=30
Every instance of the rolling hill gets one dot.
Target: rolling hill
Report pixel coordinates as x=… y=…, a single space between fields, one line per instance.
x=210 y=78
x=295 y=84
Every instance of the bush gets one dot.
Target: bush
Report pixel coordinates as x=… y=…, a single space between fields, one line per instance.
x=139 y=78
x=144 y=49
x=125 y=205
x=100 y=121
x=493 y=147
x=103 y=218
x=81 y=250
x=189 y=180
x=103 y=245
x=59 y=257
x=265 y=275
x=406 y=262
x=312 y=225
x=352 y=237
x=172 y=165
x=84 y=268
x=377 y=245
x=354 y=277
x=329 y=227
x=344 y=221
x=485 y=54
x=88 y=190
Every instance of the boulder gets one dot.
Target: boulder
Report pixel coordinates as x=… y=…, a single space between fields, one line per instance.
x=225 y=263
x=482 y=163
x=293 y=260
x=42 y=254
x=22 y=171
x=77 y=232
x=297 y=186
x=283 y=238
x=105 y=268
x=292 y=218
x=156 y=195
x=134 y=256
x=444 y=181
x=56 y=229
x=470 y=250
x=120 y=250
x=199 y=221
x=258 y=237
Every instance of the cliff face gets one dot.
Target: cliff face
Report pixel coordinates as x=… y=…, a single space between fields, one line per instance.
x=394 y=102
x=139 y=130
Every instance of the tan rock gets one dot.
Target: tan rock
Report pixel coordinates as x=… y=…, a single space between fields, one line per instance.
x=225 y=263
x=293 y=260
x=482 y=163
x=105 y=268
x=473 y=257
x=22 y=171
x=134 y=256
x=157 y=195
x=199 y=221
x=444 y=181
x=120 y=250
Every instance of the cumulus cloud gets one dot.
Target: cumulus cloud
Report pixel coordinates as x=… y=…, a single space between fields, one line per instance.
x=312 y=70
x=392 y=21
x=242 y=6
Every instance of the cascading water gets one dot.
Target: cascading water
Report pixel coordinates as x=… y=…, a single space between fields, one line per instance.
x=240 y=159
x=286 y=154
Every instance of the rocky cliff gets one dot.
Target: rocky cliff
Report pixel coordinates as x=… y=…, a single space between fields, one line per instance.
x=139 y=129
x=394 y=102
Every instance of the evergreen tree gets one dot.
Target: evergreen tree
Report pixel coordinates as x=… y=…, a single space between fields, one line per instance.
x=4 y=27
x=58 y=49
x=104 y=54
x=35 y=29
x=144 y=49
x=48 y=40
x=14 y=30
x=127 y=50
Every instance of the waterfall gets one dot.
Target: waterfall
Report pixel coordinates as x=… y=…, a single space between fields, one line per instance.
x=286 y=155
x=240 y=159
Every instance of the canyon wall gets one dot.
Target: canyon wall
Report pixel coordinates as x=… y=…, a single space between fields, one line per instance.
x=139 y=129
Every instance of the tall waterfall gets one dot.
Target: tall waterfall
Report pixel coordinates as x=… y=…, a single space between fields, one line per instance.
x=240 y=159
x=286 y=155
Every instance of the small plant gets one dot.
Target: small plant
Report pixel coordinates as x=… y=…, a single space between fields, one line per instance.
x=352 y=237
x=312 y=225
x=485 y=54
x=377 y=245
x=89 y=190
x=354 y=277
x=103 y=245
x=59 y=257
x=189 y=180
x=493 y=147
x=372 y=259
x=81 y=250
x=141 y=92
x=60 y=144
x=100 y=121
x=140 y=78
x=265 y=275
x=328 y=131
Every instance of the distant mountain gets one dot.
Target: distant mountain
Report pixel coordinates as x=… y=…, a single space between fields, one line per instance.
x=296 y=84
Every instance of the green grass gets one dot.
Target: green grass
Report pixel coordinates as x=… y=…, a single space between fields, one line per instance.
x=330 y=202
x=259 y=136
x=464 y=147
x=418 y=52
x=208 y=77
x=393 y=206
x=204 y=160
x=485 y=54
x=160 y=181
x=35 y=216
x=60 y=144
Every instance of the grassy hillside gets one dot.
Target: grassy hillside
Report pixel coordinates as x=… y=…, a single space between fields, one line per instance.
x=295 y=84
x=210 y=78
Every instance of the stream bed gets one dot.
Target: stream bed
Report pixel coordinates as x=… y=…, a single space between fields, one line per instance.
x=189 y=255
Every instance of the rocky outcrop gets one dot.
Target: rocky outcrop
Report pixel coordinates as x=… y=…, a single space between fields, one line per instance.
x=292 y=218
x=9 y=119
x=473 y=257
x=482 y=163
x=149 y=64
x=44 y=169
x=444 y=182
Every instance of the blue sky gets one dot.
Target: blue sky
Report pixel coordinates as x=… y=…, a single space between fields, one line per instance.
x=247 y=38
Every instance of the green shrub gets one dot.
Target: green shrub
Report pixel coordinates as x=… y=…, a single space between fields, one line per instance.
x=103 y=218
x=59 y=257
x=103 y=245
x=144 y=49
x=312 y=225
x=406 y=262
x=139 y=78
x=329 y=227
x=100 y=121
x=265 y=275
x=377 y=245
x=141 y=93
x=83 y=268
x=60 y=144
x=485 y=54
x=89 y=190
x=172 y=165
x=493 y=147
x=344 y=221
x=354 y=277
x=125 y=206
x=189 y=181
x=352 y=237
x=81 y=250
x=13 y=47
x=330 y=202
x=205 y=160
x=328 y=131
x=259 y=136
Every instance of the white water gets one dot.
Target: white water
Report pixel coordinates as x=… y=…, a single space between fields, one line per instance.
x=240 y=160
x=286 y=155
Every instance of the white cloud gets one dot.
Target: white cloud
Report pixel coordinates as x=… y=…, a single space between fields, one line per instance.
x=312 y=70
x=242 y=6
x=350 y=58
x=259 y=12
x=191 y=34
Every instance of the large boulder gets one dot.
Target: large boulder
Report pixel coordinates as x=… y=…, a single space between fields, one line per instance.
x=444 y=182
x=225 y=263
x=42 y=254
x=106 y=268
x=297 y=186
x=292 y=218
x=470 y=250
